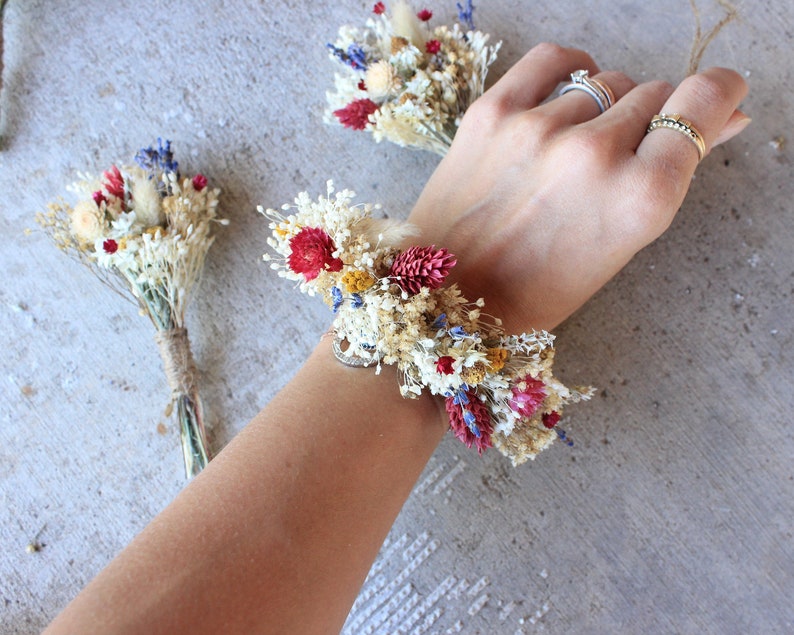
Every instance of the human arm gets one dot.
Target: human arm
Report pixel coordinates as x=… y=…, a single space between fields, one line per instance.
x=541 y=205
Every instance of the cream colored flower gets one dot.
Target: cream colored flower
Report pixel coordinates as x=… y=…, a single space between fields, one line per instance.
x=407 y=25
x=381 y=80
x=146 y=201
x=86 y=221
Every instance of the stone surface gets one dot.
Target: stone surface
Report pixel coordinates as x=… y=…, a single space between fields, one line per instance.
x=672 y=513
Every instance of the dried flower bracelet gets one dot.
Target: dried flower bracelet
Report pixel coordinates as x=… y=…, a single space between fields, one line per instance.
x=391 y=307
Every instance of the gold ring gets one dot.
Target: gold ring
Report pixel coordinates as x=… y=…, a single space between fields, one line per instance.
x=610 y=96
x=679 y=124
x=597 y=89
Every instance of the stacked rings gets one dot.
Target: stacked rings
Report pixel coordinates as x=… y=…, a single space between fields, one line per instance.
x=677 y=123
x=597 y=89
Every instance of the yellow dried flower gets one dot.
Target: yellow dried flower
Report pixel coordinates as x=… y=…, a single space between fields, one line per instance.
x=357 y=280
x=497 y=357
x=153 y=231
x=473 y=374
x=398 y=44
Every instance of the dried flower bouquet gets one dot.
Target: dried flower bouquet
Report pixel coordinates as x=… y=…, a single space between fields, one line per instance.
x=406 y=82
x=144 y=230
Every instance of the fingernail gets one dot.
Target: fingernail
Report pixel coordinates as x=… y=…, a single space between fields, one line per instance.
x=735 y=125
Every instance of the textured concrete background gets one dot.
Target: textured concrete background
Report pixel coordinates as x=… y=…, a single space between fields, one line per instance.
x=673 y=512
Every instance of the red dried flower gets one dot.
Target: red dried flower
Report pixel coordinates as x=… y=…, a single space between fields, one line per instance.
x=311 y=252
x=110 y=246
x=199 y=182
x=477 y=410
x=433 y=46
x=444 y=365
x=419 y=267
x=113 y=182
x=550 y=419
x=378 y=8
x=361 y=85
x=356 y=114
x=526 y=400
x=424 y=15
x=99 y=198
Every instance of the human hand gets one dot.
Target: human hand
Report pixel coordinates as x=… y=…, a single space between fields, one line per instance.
x=542 y=203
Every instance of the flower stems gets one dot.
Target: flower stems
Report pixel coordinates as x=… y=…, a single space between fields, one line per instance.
x=191 y=429
x=182 y=375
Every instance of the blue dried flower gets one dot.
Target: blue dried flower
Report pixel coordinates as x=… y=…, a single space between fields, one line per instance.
x=354 y=57
x=466 y=16
x=161 y=159
x=460 y=397
x=458 y=332
x=336 y=298
x=440 y=322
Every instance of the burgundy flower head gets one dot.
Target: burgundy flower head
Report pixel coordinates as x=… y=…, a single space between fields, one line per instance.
x=525 y=401
x=356 y=114
x=419 y=267
x=433 y=46
x=199 y=182
x=551 y=419
x=444 y=365
x=311 y=252
x=475 y=410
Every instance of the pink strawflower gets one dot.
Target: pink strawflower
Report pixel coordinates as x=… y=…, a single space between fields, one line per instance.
x=99 y=198
x=110 y=246
x=379 y=8
x=419 y=267
x=550 y=419
x=356 y=114
x=444 y=365
x=433 y=46
x=312 y=252
x=113 y=182
x=475 y=411
x=528 y=395
x=199 y=182
x=424 y=15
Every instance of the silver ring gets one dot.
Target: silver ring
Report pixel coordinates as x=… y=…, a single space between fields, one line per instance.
x=350 y=358
x=597 y=89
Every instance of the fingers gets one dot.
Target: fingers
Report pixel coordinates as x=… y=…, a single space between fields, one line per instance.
x=536 y=75
x=708 y=101
x=737 y=122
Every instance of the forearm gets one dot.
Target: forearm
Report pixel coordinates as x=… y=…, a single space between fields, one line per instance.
x=278 y=533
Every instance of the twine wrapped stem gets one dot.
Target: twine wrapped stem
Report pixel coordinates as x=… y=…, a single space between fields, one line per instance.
x=182 y=376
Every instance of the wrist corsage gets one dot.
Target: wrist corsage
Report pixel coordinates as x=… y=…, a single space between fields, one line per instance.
x=406 y=82
x=391 y=307
x=145 y=230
